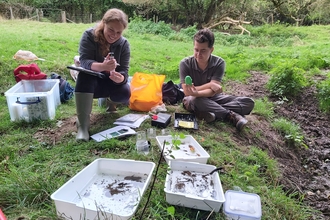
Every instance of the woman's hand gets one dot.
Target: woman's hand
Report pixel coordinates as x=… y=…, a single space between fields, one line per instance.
x=109 y=64
x=116 y=77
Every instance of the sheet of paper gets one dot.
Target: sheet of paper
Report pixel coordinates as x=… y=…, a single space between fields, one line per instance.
x=131 y=117
x=135 y=124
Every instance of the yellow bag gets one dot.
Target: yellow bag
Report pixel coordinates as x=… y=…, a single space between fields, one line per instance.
x=146 y=91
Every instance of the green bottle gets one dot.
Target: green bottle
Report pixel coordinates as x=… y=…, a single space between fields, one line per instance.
x=188 y=80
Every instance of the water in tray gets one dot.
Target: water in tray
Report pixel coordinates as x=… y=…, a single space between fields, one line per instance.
x=192 y=183
x=186 y=149
x=117 y=194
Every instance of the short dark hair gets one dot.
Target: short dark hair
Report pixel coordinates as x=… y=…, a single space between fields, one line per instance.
x=205 y=35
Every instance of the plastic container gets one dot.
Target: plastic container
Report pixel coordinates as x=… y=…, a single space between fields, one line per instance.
x=185 y=121
x=242 y=205
x=142 y=145
x=33 y=99
x=106 y=188
x=189 y=149
x=189 y=184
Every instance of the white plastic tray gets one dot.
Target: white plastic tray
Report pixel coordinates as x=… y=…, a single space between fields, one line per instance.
x=189 y=149
x=106 y=189
x=187 y=184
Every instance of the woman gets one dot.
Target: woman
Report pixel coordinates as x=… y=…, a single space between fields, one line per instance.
x=94 y=48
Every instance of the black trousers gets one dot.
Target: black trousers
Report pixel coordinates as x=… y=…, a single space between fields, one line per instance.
x=102 y=88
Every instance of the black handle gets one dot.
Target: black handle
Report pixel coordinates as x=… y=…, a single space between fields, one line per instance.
x=216 y=169
x=28 y=103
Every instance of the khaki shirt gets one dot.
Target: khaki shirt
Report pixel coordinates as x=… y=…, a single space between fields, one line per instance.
x=214 y=71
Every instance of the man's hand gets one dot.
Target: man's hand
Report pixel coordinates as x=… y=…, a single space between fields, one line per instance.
x=191 y=90
x=205 y=90
x=216 y=88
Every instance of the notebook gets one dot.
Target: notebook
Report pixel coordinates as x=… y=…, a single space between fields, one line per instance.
x=90 y=72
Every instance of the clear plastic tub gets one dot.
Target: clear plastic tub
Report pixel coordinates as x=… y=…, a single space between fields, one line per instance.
x=33 y=99
x=242 y=205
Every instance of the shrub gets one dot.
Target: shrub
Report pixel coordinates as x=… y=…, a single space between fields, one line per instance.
x=140 y=26
x=323 y=95
x=287 y=80
x=185 y=34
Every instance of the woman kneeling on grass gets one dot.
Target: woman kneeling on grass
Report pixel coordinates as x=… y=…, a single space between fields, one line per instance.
x=94 y=50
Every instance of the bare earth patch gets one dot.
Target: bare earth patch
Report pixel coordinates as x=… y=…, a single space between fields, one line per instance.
x=303 y=170
x=64 y=128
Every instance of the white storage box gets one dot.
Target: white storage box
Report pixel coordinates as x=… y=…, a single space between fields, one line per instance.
x=189 y=184
x=105 y=189
x=241 y=205
x=33 y=99
x=189 y=149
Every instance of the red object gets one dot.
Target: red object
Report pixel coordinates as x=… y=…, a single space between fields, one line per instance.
x=32 y=70
x=154 y=117
x=2 y=216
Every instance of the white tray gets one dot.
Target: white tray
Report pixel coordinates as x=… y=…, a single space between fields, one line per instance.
x=187 y=184
x=109 y=188
x=184 y=153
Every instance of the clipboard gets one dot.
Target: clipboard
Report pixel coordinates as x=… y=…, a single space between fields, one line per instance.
x=90 y=72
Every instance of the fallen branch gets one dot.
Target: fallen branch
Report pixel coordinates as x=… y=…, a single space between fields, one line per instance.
x=235 y=23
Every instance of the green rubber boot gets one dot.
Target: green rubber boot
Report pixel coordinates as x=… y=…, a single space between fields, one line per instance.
x=84 y=102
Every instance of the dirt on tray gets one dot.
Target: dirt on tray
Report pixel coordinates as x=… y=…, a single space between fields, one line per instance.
x=303 y=170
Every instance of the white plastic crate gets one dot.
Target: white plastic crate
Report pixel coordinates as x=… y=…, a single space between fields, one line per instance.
x=242 y=206
x=189 y=149
x=105 y=189
x=33 y=99
x=189 y=185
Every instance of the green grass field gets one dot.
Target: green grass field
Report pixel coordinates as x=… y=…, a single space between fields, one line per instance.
x=30 y=171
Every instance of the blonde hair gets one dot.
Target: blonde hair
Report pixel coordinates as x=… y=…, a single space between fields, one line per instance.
x=113 y=14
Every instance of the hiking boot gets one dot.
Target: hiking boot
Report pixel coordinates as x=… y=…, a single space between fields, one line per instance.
x=111 y=106
x=237 y=120
x=206 y=116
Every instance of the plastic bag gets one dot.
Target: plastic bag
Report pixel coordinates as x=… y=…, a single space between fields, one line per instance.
x=171 y=93
x=26 y=55
x=146 y=91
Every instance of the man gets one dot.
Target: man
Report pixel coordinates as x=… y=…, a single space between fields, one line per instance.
x=204 y=96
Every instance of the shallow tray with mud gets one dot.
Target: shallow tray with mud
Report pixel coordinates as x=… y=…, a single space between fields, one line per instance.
x=106 y=189
x=190 y=184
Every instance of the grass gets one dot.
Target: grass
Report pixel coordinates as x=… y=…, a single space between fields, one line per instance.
x=292 y=131
x=31 y=170
x=264 y=107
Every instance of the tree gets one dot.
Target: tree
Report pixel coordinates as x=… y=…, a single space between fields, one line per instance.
x=295 y=10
